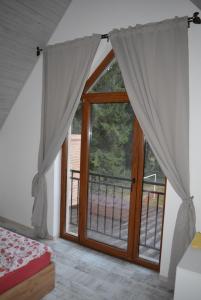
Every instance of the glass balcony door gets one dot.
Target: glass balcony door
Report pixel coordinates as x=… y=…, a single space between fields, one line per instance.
x=113 y=190
x=114 y=193
x=110 y=145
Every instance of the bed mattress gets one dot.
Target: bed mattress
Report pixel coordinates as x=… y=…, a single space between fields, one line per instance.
x=20 y=258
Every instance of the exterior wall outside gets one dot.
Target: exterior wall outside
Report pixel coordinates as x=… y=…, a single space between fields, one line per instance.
x=20 y=135
x=74 y=146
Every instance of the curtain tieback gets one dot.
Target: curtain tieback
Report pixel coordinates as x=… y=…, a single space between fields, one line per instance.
x=36 y=182
x=35 y=185
x=188 y=202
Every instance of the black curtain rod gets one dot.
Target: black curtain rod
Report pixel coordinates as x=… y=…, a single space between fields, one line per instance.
x=194 y=19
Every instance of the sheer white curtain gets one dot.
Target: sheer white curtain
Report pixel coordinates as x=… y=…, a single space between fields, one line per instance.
x=153 y=59
x=66 y=68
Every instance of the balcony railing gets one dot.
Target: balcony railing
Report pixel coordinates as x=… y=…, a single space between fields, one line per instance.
x=108 y=208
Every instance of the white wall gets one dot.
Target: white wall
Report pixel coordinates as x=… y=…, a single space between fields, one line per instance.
x=19 y=143
x=19 y=138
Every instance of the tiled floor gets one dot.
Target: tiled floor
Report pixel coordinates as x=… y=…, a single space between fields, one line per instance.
x=84 y=274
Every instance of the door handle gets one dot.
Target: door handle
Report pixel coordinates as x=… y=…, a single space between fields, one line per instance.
x=132 y=182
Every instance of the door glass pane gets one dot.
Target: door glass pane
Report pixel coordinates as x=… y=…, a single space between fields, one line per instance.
x=109 y=178
x=110 y=80
x=73 y=173
x=153 y=201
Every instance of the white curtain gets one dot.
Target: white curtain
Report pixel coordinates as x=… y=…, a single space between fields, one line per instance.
x=66 y=68
x=154 y=63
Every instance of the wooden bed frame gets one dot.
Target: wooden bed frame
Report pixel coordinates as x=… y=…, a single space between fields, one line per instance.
x=33 y=288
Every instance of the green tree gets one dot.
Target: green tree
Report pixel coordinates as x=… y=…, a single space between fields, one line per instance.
x=151 y=165
x=111 y=140
x=111 y=127
x=110 y=81
x=77 y=121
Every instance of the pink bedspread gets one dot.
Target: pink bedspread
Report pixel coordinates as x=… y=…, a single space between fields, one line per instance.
x=17 y=251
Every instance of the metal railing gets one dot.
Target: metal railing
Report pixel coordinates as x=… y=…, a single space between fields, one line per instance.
x=152 y=217
x=108 y=207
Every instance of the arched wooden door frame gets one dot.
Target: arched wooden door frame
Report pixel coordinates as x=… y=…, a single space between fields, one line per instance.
x=132 y=253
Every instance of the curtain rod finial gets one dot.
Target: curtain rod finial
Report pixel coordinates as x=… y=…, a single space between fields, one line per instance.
x=196 y=18
x=38 y=51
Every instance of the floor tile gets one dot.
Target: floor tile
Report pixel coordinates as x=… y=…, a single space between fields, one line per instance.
x=84 y=274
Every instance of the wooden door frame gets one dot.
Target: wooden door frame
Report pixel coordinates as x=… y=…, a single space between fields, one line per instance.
x=138 y=210
x=100 y=98
x=63 y=218
x=132 y=254
x=106 y=61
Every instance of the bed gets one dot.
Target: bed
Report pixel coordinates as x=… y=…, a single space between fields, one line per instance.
x=26 y=270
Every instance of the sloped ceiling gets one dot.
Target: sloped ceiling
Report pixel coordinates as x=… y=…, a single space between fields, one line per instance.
x=197 y=3
x=24 y=24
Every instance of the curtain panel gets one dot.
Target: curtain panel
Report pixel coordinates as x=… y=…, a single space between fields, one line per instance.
x=153 y=59
x=66 y=68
